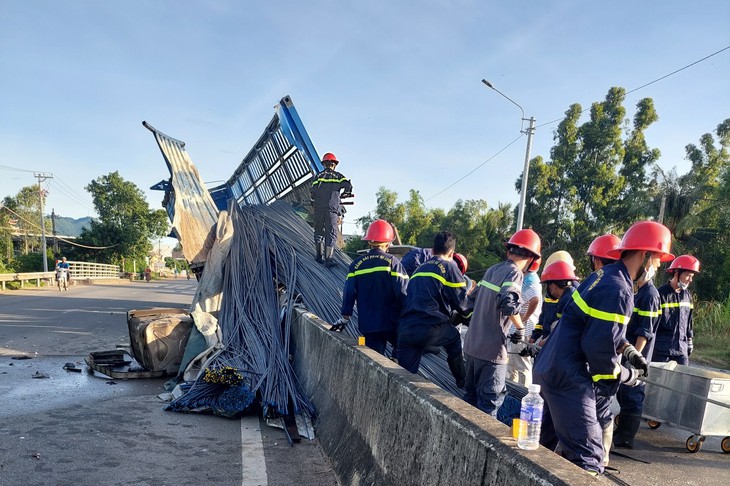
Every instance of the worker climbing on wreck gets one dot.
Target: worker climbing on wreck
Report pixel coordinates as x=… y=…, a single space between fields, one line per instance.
x=328 y=188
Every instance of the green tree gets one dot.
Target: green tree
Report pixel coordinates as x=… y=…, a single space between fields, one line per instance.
x=125 y=224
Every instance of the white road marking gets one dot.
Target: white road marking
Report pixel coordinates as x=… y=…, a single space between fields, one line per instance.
x=253 y=464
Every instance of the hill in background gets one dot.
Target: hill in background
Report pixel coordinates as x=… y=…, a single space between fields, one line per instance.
x=70 y=226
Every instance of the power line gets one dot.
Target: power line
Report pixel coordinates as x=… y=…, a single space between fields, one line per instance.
x=475 y=168
x=654 y=81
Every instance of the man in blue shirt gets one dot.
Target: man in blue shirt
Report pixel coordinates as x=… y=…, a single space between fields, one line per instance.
x=582 y=358
x=674 y=331
x=377 y=282
x=435 y=290
x=327 y=188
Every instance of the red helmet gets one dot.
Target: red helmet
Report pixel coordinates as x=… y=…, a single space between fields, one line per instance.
x=535 y=265
x=557 y=271
x=461 y=262
x=379 y=231
x=685 y=262
x=645 y=236
x=330 y=157
x=602 y=245
x=527 y=240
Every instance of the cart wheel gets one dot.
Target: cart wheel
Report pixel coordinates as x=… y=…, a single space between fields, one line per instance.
x=725 y=444
x=653 y=424
x=694 y=445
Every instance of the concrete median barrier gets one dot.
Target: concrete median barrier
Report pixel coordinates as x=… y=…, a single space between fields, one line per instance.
x=380 y=424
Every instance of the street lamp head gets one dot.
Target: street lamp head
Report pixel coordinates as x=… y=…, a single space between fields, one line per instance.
x=490 y=85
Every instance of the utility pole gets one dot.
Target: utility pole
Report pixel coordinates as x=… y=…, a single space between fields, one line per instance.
x=529 y=132
x=42 y=177
x=523 y=191
x=55 y=239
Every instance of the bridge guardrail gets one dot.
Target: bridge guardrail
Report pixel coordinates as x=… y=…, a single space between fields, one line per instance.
x=77 y=270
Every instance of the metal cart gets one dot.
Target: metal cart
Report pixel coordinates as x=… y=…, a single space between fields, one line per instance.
x=692 y=399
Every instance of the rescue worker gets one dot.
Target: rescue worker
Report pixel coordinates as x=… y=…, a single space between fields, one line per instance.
x=599 y=256
x=640 y=333
x=674 y=331
x=497 y=301
x=377 y=282
x=435 y=290
x=560 y=256
x=519 y=363
x=327 y=189
x=581 y=360
x=414 y=258
x=558 y=278
x=599 y=248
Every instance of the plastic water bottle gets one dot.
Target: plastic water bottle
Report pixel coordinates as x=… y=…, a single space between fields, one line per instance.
x=530 y=419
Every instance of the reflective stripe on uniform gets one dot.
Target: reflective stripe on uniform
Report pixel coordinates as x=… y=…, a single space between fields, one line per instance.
x=548 y=300
x=319 y=181
x=677 y=304
x=376 y=269
x=598 y=314
x=646 y=313
x=616 y=373
x=496 y=288
x=439 y=278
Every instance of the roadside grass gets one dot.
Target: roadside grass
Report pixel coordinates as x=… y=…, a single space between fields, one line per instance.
x=711 y=321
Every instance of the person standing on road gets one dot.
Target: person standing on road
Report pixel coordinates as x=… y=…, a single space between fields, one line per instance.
x=497 y=301
x=436 y=289
x=377 y=282
x=327 y=189
x=640 y=333
x=581 y=360
x=674 y=331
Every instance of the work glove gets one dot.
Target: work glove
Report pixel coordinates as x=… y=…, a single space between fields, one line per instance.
x=530 y=350
x=340 y=325
x=636 y=359
x=518 y=336
x=634 y=378
x=690 y=346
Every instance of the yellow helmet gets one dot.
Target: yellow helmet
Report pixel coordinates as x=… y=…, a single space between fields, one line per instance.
x=560 y=256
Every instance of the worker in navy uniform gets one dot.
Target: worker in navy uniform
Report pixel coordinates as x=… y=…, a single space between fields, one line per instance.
x=414 y=258
x=640 y=333
x=581 y=360
x=559 y=280
x=674 y=331
x=436 y=289
x=497 y=301
x=599 y=254
x=327 y=188
x=377 y=283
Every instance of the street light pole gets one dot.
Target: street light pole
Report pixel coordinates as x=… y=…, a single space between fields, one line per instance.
x=529 y=132
x=523 y=191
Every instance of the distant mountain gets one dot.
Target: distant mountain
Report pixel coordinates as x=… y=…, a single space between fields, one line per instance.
x=70 y=226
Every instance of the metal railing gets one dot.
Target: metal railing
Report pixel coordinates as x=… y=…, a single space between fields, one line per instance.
x=93 y=270
x=77 y=270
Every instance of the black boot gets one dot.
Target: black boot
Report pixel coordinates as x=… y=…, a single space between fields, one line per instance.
x=458 y=369
x=319 y=247
x=628 y=426
x=328 y=260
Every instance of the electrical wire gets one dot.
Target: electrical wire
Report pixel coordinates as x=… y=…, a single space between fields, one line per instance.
x=476 y=168
x=651 y=82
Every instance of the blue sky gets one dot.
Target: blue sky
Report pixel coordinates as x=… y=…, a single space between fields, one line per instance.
x=393 y=88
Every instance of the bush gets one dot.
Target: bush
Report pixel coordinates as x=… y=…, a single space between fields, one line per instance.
x=711 y=323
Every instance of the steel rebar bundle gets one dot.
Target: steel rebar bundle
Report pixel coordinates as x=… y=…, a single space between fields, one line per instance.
x=270 y=268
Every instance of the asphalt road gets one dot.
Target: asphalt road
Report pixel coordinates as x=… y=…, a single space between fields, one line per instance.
x=78 y=429
x=86 y=429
